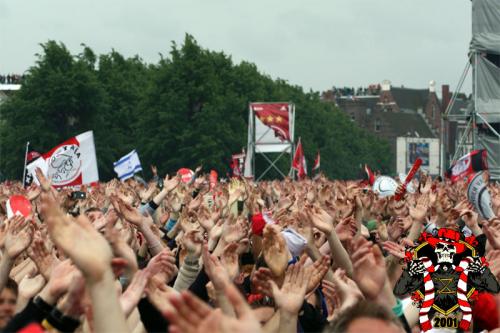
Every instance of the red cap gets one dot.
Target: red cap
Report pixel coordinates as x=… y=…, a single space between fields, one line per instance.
x=258 y=224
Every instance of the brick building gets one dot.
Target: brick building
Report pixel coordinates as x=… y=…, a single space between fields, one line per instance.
x=392 y=112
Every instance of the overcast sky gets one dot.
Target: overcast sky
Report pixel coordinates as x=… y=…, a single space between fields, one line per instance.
x=312 y=43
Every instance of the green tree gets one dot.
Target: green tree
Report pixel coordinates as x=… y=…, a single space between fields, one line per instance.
x=57 y=100
x=190 y=108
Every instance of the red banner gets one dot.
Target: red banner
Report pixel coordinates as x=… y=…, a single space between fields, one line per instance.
x=299 y=161
x=474 y=161
x=275 y=116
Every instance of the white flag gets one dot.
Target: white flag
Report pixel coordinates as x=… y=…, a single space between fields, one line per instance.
x=128 y=165
x=70 y=163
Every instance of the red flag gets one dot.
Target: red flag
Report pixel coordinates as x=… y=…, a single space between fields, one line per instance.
x=274 y=115
x=474 y=161
x=299 y=161
x=71 y=163
x=317 y=162
x=369 y=174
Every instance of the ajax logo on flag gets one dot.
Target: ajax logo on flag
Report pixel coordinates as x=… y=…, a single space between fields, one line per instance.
x=64 y=164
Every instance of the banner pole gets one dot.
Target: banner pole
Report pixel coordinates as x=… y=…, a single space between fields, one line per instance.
x=25 y=162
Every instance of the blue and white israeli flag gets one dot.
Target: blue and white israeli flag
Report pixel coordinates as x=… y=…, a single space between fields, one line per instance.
x=128 y=165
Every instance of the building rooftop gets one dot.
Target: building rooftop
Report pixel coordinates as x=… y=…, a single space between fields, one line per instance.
x=410 y=99
x=404 y=124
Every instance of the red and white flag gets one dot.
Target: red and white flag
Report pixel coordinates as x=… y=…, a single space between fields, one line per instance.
x=317 y=161
x=275 y=116
x=299 y=161
x=474 y=161
x=370 y=176
x=71 y=163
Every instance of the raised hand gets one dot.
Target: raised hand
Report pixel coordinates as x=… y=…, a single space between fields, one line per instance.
x=195 y=203
x=342 y=290
x=30 y=286
x=134 y=292
x=163 y=263
x=132 y=215
x=470 y=219
x=45 y=184
x=395 y=249
x=207 y=220
x=275 y=250
x=154 y=170
x=61 y=278
x=316 y=272
x=74 y=303
x=290 y=297
x=260 y=281
x=191 y=315
x=192 y=242
x=18 y=237
x=229 y=260
x=215 y=270
x=419 y=212
x=234 y=232
x=321 y=220
x=215 y=233
x=43 y=259
x=121 y=248
x=346 y=229
x=146 y=194
x=33 y=192
x=369 y=269
x=86 y=247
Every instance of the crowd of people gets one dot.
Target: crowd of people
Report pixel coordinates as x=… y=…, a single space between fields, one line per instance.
x=238 y=256
x=11 y=79
x=371 y=90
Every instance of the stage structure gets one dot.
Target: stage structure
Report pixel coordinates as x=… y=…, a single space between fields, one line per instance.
x=270 y=130
x=481 y=122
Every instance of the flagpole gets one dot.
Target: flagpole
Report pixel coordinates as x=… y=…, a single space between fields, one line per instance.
x=25 y=162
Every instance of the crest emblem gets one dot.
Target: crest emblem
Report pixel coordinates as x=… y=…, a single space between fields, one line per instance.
x=64 y=165
x=444 y=272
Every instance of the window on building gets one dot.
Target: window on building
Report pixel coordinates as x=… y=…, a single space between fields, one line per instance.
x=353 y=118
x=377 y=125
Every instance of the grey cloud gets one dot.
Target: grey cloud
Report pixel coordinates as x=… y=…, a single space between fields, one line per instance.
x=315 y=43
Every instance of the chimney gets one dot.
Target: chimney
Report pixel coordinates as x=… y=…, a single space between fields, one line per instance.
x=432 y=86
x=446 y=96
x=386 y=85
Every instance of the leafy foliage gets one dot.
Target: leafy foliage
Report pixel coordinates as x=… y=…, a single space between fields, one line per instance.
x=190 y=108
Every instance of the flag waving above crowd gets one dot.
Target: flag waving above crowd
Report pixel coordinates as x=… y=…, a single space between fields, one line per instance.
x=70 y=163
x=127 y=166
x=275 y=116
x=472 y=162
x=317 y=162
x=299 y=161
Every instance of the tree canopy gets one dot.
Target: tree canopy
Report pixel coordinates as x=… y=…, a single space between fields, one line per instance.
x=190 y=108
